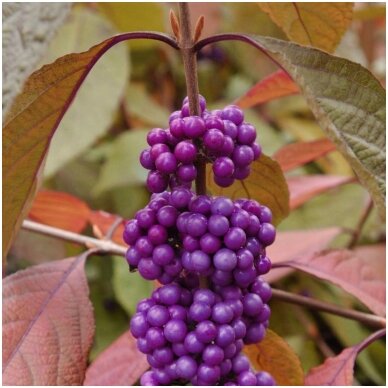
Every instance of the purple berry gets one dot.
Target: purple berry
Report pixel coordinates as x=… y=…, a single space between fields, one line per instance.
x=223 y=167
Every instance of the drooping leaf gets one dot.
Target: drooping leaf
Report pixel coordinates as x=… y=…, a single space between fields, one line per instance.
x=297 y=243
x=24 y=44
x=297 y=154
x=33 y=119
x=48 y=324
x=122 y=166
x=102 y=222
x=302 y=188
x=337 y=371
x=265 y=184
x=348 y=103
x=120 y=364
x=346 y=269
x=275 y=356
x=315 y=24
x=129 y=288
x=92 y=112
x=61 y=210
x=278 y=84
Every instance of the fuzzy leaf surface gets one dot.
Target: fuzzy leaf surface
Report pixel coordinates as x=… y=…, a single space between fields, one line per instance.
x=348 y=103
x=276 y=357
x=344 y=268
x=24 y=44
x=290 y=244
x=48 y=324
x=339 y=370
x=266 y=184
x=120 y=364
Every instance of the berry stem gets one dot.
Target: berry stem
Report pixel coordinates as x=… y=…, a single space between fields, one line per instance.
x=189 y=56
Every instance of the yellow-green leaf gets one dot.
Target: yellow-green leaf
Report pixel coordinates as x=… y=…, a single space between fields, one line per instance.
x=134 y=17
x=265 y=184
x=315 y=24
x=275 y=356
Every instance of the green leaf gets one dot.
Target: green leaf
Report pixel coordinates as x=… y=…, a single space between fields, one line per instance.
x=92 y=112
x=129 y=288
x=266 y=184
x=142 y=106
x=348 y=103
x=122 y=166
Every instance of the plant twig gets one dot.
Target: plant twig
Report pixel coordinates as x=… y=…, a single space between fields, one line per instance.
x=105 y=246
x=368 y=319
x=189 y=56
x=357 y=231
x=108 y=246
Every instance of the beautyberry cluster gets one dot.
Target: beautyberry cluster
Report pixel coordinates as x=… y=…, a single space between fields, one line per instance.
x=212 y=237
x=221 y=137
x=194 y=335
x=207 y=252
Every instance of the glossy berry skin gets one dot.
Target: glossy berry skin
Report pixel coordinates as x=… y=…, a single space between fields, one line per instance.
x=226 y=140
x=192 y=335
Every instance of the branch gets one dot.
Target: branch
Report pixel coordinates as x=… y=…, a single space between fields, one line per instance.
x=357 y=231
x=189 y=56
x=104 y=246
x=368 y=319
x=108 y=246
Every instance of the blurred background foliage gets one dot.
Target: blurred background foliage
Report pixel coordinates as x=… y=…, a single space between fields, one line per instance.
x=134 y=87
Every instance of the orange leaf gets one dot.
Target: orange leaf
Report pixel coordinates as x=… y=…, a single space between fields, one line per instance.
x=120 y=364
x=275 y=356
x=278 y=84
x=292 y=244
x=315 y=24
x=355 y=274
x=338 y=370
x=102 y=222
x=61 y=210
x=303 y=188
x=299 y=153
x=48 y=324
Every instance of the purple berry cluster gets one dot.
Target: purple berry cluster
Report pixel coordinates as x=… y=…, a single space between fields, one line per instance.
x=212 y=237
x=195 y=335
x=209 y=254
x=221 y=137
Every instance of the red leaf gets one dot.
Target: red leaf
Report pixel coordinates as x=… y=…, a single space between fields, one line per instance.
x=338 y=371
x=61 y=210
x=120 y=364
x=278 y=84
x=303 y=188
x=102 y=222
x=297 y=243
x=356 y=275
x=299 y=153
x=48 y=324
